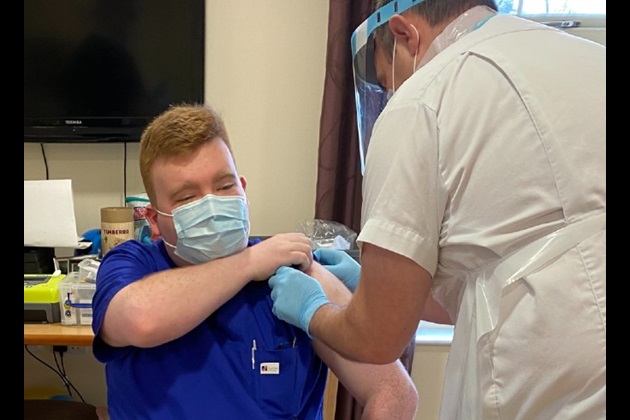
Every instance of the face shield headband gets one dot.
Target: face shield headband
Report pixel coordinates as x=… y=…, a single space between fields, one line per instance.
x=370 y=98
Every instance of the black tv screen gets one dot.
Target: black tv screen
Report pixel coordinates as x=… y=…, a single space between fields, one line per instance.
x=100 y=70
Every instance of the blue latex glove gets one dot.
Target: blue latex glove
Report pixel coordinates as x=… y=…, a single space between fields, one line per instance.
x=341 y=264
x=296 y=296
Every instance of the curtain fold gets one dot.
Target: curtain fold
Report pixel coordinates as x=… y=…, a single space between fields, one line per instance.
x=338 y=192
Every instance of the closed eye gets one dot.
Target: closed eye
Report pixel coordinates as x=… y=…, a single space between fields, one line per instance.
x=184 y=199
x=227 y=186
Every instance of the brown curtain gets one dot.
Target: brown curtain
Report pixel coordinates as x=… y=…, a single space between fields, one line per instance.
x=338 y=195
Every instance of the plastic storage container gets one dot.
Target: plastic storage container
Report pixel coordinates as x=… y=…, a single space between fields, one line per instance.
x=75 y=300
x=88 y=269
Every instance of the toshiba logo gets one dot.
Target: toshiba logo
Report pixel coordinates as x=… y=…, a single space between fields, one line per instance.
x=73 y=122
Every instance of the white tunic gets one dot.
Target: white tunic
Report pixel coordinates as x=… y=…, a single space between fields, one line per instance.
x=497 y=142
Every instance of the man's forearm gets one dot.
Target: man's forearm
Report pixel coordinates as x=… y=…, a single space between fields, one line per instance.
x=165 y=305
x=350 y=334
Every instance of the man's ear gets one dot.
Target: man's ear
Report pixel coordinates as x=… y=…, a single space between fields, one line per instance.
x=404 y=32
x=151 y=216
x=243 y=182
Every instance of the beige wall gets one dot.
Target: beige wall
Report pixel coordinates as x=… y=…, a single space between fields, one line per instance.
x=429 y=362
x=265 y=73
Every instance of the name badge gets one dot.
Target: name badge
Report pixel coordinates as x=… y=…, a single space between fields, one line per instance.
x=270 y=368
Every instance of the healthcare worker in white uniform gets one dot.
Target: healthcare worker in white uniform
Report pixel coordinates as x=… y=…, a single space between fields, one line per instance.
x=484 y=205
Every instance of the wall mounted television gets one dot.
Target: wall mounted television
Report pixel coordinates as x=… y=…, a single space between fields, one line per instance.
x=100 y=70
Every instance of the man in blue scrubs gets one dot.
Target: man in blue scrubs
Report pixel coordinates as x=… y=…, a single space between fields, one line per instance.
x=184 y=325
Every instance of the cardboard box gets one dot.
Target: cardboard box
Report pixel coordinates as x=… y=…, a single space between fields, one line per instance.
x=75 y=300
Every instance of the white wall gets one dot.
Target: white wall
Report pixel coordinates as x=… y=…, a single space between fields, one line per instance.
x=265 y=65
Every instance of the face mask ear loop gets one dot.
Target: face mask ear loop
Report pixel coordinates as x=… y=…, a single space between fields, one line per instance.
x=167 y=215
x=162 y=213
x=393 y=58
x=415 y=56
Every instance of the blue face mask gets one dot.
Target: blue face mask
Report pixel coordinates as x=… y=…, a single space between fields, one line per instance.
x=209 y=228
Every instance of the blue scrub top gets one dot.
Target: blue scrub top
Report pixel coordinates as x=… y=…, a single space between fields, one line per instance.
x=240 y=363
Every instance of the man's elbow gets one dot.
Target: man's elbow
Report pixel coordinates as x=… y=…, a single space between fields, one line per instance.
x=137 y=331
x=408 y=402
x=399 y=402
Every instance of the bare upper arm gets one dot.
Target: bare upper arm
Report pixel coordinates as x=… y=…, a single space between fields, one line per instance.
x=387 y=386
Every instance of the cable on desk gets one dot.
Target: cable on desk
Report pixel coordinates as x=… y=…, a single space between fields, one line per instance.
x=61 y=371
x=60 y=350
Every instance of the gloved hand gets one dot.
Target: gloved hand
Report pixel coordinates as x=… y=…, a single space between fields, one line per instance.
x=341 y=265
x=296 y=296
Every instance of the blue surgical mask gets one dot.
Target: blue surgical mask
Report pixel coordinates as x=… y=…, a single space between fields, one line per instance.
x=211 y=227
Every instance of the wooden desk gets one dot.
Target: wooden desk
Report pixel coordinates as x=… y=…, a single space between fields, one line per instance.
x=56 y=334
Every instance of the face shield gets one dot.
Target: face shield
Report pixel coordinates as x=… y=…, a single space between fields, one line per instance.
x=369 y=96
